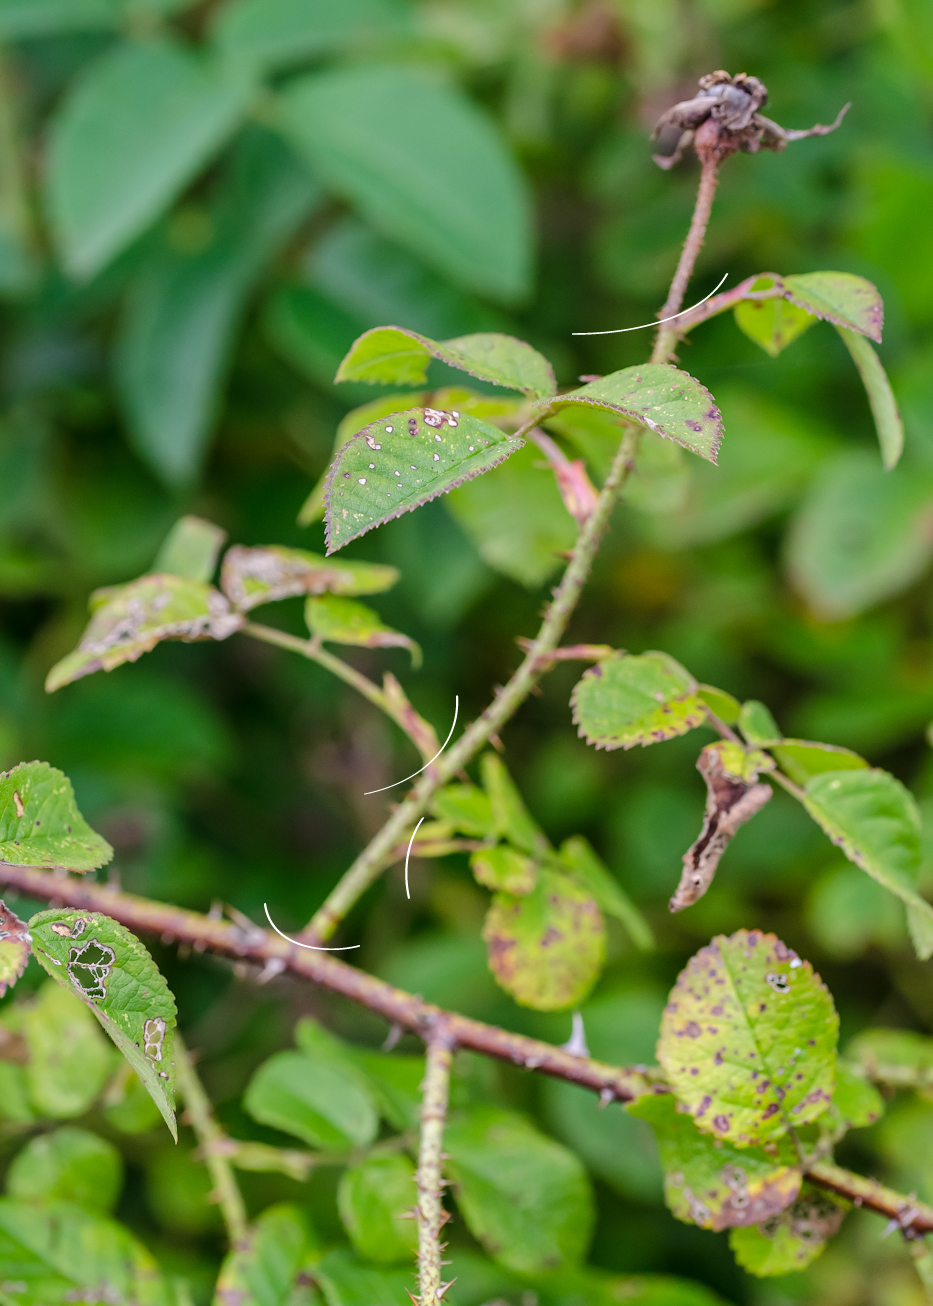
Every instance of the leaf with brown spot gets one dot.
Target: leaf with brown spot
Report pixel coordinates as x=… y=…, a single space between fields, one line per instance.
x=789 y=1241
x=627 y=700
x=547 y=949
x=271 y=572
x=748 y=1039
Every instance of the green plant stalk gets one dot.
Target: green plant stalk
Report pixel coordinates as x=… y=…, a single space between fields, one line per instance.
x=211 y=1139
x=431 y=1214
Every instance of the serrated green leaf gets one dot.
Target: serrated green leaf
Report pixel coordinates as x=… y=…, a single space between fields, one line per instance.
x=757 y=725
x=874 y=820
x=67 y=1165
x=467 y=808
x=396 y=356
x=547 y=948
x=423 y=165
x=267 y=34
x=191 y=549
x=881 y=398
x=15 y=942
x=376 y=1199
x=319 y=1100
x=270 y=572
x=135 y=127
x=69 y=1059
x=513 y=821
x=792 y=1240
x=523 y=1196
x=771 y=323
x=627 y=700
x=373 y=478
x=129 y=620
x=710 y=1182
x=503 y=868
x=112 y=973
x=581 y=863
x=262 y=1268
x=759 y=1028
x=346 y=1281
x=840 y=298
x=799 y=759
x=40 y=824
x=337 y=620
x=663 y=398
x=724 y=705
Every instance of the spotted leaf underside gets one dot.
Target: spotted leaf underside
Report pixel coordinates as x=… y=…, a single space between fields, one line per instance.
x=40 y=824
x=748 y=1039
x=252 y=576
x=113 y=974
x=627 y=700
x=400 y=462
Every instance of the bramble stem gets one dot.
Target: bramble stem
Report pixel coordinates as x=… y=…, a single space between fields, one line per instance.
x=668 y=332
x=211 y=1139
x=431 y=1214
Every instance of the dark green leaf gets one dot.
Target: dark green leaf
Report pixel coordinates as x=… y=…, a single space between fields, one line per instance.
x=337 y=620
x=346 y=1281
x=134 y=129
x=523 y=1196
x=15 y=942
x=262 y=1269
x=395 y=356
x=771 y=323
x=759 y=1028
x=373 y=479
x=757 y=724
x=710 y=1182
x=581 y=863
x=724 y=705
x=129 y=620
x=627 y=700
x=318 y=1099
x=191 y=549
x=663 y=398
x=69 y=1059
x=504 y=868
x=40 y=824
x=467 y=808
x=615 y=1147
x=21 y=19
x=840 y=298
x=67 y=1165
x=548 y=948
x=270 y=572
x=881 y=399
x=513 y=821
x=791 y=1240
x=310 y=332
x=113 y=974
x=267 y=34
x=423 y=165
x=376 y=1200
x=799 y=759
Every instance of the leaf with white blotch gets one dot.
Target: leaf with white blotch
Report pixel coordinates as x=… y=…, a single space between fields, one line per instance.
x=791 y=1240
x=656 y=395
x=396 y=356
x=15 y=942
x=191 y=549
x=710 y=1183
x=40 y=824
x=262 y=1268
x=627 y=700
x=547 y=948
x=771 y=323
x=881 y=398
x=504 y=868
x=113 y=974
x=344 y=621
x=252 y=576
x=748 y=1039
x=398 y=463
x=513 y=821
x=840 y=298
x=129 y=620
x=799 y=759
x=874 y=820
x=580 y=862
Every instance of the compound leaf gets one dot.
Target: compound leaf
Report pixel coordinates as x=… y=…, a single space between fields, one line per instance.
x=840 y=298
x=397 y=356
x=748 y=1039
x=15 y=942
x=771 y=323
x=263 y=1267
x=627 y=700
x=373 y=479
x=40 y=824
x=881 y=398
x=344 y=621
x=375 y=1200
x=270 y=572
x=113 y=974
x=791 y=1240
x=799 y=759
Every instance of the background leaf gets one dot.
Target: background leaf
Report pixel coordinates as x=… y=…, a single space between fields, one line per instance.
x=267 y=34
x=69 y=1059
x=67 y=1165
x=337 y=620
x=263 y=1269
x=191 y=549
x=268 y=573
x=15 y=941
x=376 y=1199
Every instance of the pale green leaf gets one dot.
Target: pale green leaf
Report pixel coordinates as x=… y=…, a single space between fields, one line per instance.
x=663 y=398
x=581 y=863
x=467 y=808
x=759 y=1028
x=28 y=19
x=504 y=868
x=67 y=1165
x=268 y=34
x=856 y=1103
x=129 y=620
x=546 y=949
x=881 y=398
x=135 y=127
x=799 y=759
x=69 y=1059
x=397 y=356
x=840 y=298
x=337 y=620
x=270 y=572
x=513 y=821
x=113 y=974
x=262 y=1268
x=126 y=1103
x=792 y=1240
x=15 y=941
x=423 y=165
x=771 y=323
x=522 y=1195
x=710 y=1182
x=40 y=824
x=346 y=1281
x=757 y=725
x=847 y=912
x=374 y=479
x=376 y=1199
x=319 y=1100
x=723 y=704
x=14 y=1096
x=627 y=700
x=191 y=549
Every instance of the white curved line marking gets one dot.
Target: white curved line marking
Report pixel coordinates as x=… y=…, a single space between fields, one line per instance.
x=427 y=764
x=408 y=854
x=621 y=330
x=349 y=947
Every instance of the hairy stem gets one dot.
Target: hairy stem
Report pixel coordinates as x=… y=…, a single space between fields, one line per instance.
x=668 y=331
x=431 y=1214
x=211 y=1140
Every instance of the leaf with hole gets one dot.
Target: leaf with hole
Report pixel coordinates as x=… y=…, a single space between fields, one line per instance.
x=263 y=1267
x=771 y=323
x=840 y=298
x=580 y=862
x=627 y=700
x=748 y=1039
x=267 y=573
x=663 y=398
x=376 y=1199
x=799 y=759
x=790 y=1241
x=396 y=356
x=337 y=620
x=40 y=824
x=112 y=973
x=881 y=398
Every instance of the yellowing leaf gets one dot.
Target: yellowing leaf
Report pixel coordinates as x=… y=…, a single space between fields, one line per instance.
x=627 y=700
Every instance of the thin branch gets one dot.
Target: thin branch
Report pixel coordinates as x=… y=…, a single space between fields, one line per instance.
x=431 y=1214
x=571 y=652
x=668 y=332
x=210 y=1138
x=910 y=1215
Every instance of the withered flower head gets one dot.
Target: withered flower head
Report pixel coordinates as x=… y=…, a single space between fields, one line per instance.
x=724 y=117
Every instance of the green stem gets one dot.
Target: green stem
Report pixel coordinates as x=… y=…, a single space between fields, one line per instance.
x=431 y=1214
x=211 y=1139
